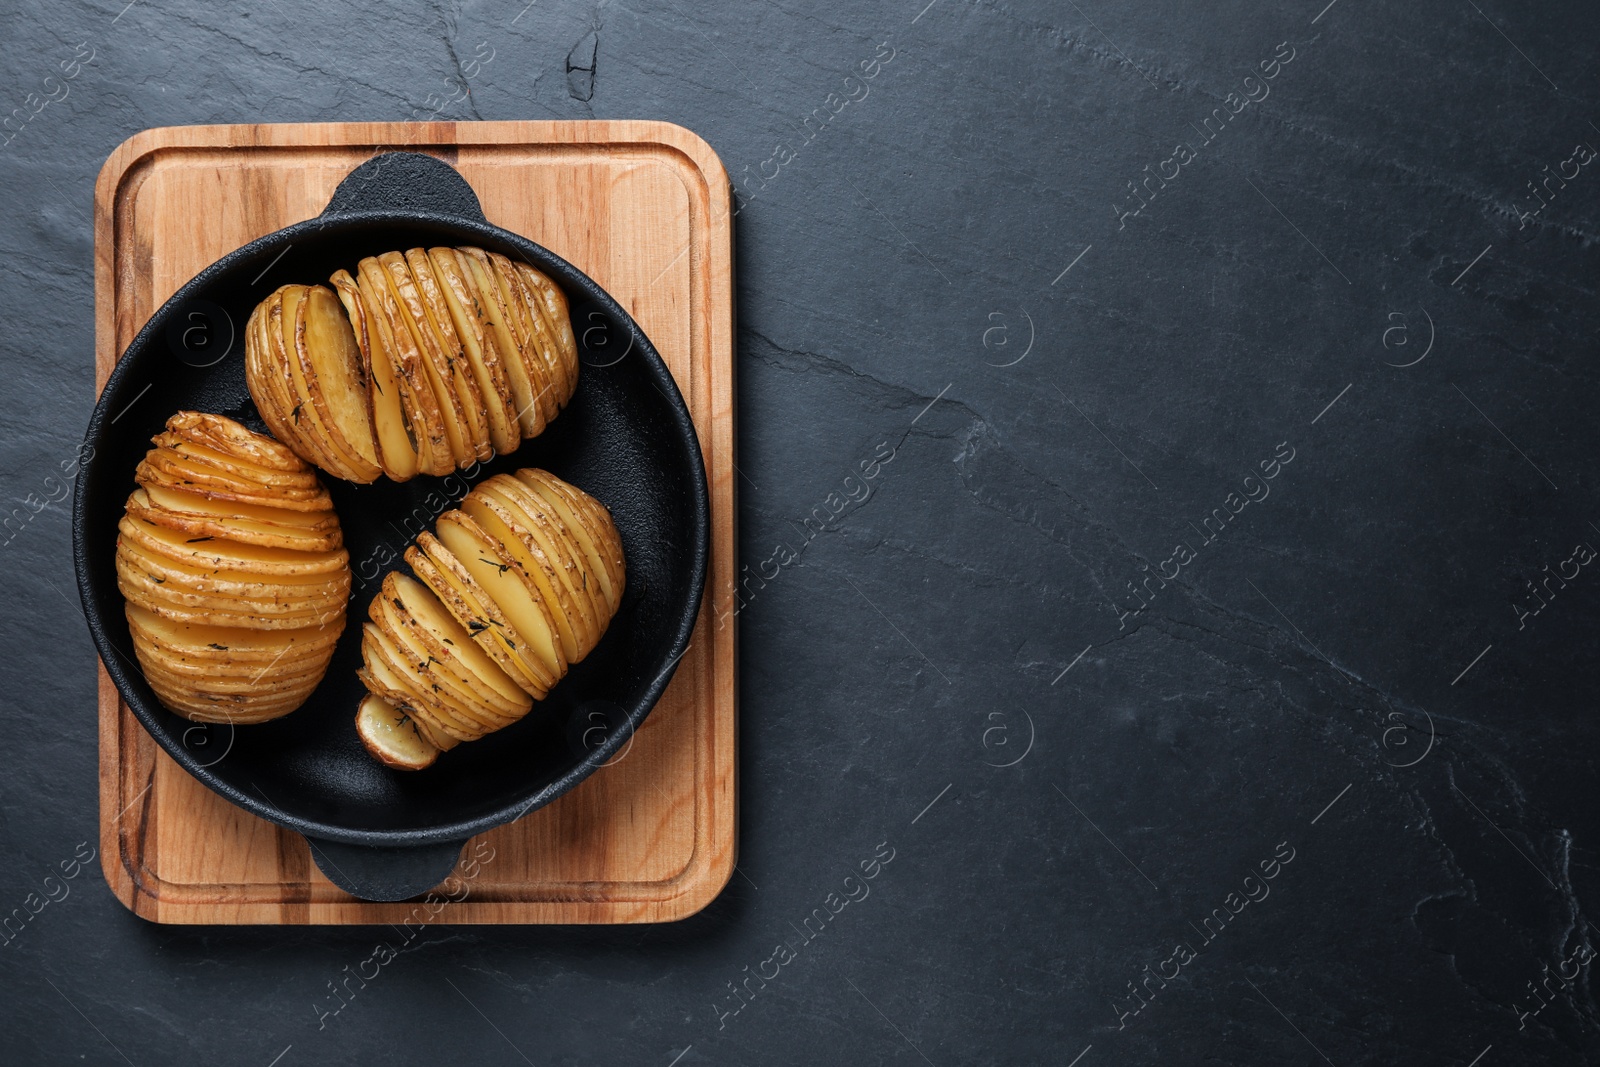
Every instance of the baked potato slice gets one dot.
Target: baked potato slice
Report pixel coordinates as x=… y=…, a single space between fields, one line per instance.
x=482 y=554
x=494 y=386
x=437 y=568
x=395 y=337
x=392 y=737
x=334 y=379
x=393 y=437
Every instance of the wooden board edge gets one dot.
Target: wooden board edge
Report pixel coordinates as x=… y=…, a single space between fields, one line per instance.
x=116 y=866
x=402 y=134
x=111 y=861
x=724 y=659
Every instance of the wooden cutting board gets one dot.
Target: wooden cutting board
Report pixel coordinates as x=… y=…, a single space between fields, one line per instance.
x=643 y=208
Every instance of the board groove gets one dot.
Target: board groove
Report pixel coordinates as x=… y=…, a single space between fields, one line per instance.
x=641 y=207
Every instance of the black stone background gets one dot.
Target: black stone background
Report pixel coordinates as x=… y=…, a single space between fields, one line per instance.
x=1341 y=673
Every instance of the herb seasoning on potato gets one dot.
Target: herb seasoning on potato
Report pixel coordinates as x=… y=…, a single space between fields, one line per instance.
x=234 y=570
x=440 y=357
x=515 y=586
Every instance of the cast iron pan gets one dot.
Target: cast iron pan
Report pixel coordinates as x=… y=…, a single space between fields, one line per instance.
x=626 y=438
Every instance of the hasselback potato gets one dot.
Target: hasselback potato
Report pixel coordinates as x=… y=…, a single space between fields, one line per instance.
x=515 y=586
x=419 y=363
x=232 y=563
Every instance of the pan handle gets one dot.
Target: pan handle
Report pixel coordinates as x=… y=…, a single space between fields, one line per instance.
x=385 y=873
x=405 y=181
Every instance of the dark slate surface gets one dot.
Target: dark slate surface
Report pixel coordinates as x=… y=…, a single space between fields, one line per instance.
x=1352 y=272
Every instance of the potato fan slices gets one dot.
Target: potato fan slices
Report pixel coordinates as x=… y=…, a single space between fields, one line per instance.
x=515 y=586
x=234 y=570
x=419 y=363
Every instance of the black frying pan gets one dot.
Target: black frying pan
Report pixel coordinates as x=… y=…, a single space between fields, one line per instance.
x=626 y=438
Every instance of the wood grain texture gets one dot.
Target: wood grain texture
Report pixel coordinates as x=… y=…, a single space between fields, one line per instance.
x=643 y=208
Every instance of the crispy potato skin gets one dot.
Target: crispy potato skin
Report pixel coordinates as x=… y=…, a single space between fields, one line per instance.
x=232 y=566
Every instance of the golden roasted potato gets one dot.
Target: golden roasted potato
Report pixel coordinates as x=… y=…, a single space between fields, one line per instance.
x=232 y=563
x=518 y=584
x=308 y=378
x=442 y=358
x=392 y=737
